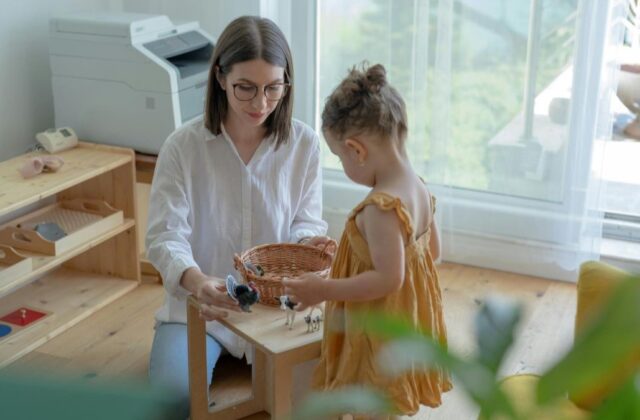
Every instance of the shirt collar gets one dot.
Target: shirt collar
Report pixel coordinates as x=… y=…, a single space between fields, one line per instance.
x=224 y=134
x=209 y=135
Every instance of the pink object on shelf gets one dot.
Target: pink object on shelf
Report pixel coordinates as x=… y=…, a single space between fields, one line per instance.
x=38 y=164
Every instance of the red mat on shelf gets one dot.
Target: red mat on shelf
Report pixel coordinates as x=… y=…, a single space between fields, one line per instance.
x=23 y=316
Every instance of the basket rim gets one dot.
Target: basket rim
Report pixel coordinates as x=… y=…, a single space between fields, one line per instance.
x=284 y=244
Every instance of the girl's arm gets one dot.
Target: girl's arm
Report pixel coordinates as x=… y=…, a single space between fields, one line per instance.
x=384 y=236
x=434 y=241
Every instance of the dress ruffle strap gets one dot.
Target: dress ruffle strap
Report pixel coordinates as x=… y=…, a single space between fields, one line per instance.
x=387 y=202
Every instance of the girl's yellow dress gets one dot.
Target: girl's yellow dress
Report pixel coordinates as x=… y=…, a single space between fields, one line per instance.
x=348 y=354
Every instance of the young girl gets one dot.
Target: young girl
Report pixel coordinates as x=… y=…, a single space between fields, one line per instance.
x=385 y=260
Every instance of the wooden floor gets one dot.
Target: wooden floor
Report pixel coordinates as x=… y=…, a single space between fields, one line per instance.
x=115 y=341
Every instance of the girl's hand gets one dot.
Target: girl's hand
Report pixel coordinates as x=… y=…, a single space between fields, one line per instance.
x=306 y=290
x=322 y=242
x=214 y=300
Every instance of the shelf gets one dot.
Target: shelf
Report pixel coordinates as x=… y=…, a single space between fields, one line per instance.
x=81 y=163
x=44 y=263
x=79 y=219
x=68 y=295
x=92 y=199
x=13 y=265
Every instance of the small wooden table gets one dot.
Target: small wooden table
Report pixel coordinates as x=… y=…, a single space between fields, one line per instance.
x=276 y=351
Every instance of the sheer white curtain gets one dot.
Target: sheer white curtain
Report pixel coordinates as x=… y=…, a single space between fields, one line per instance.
x=506 y=101
x=540 y=214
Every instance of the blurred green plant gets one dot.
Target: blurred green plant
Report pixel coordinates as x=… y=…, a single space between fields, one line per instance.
x=26 y=395
x=613 y=336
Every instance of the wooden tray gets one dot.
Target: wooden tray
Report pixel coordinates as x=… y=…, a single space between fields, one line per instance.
x=13 y=265
x=82 y=219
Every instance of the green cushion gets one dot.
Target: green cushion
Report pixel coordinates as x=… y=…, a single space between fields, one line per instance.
x=521 y=391
x=596 y=282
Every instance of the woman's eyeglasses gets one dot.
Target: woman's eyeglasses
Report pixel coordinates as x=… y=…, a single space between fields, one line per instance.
x=247 y=91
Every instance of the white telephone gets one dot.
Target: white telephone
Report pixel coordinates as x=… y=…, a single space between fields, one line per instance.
x=57 y=139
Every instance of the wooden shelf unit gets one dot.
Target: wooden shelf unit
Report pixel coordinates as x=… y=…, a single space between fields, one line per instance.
x=92 y=273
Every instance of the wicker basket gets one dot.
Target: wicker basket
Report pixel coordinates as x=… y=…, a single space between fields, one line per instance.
x=278 y=261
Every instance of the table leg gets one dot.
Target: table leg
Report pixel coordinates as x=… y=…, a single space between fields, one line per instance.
x=199 y=401
x=259 y=377
x=281 y=373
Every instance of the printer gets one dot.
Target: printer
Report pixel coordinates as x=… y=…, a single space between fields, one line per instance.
x=127 y=79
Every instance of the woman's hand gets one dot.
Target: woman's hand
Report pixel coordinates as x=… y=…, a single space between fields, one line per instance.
x=306 y=290
x=322 y=242
x=211 y=294
x=214 y=299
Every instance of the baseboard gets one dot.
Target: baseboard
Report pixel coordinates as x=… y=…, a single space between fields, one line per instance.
x=530 y=258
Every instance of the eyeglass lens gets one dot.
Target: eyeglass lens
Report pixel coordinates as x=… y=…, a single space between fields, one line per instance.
x=246 y=92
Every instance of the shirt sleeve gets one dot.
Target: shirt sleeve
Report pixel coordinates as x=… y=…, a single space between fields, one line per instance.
x=169 y=229
x=308 y=219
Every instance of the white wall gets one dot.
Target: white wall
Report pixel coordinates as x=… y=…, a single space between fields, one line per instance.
x=213 y=15
x=26 y=103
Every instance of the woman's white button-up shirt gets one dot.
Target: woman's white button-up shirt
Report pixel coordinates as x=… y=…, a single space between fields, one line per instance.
x=206 y=204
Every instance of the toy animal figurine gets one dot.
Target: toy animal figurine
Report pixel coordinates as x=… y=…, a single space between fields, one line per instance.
x=245 y=294
x=255 y=269
x=314 y=322
x=287 y=305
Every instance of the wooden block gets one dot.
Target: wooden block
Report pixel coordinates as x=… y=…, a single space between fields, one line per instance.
x=20 y=319
x=5 y=330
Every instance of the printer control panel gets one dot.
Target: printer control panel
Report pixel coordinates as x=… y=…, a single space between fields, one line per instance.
x=177 y=44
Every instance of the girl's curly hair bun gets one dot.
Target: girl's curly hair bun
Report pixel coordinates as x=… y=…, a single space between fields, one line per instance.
x=375 y=78
x=365 y=101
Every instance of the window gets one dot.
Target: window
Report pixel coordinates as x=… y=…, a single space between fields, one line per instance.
x=621 y=156
x=506 y=100
x=488 y=71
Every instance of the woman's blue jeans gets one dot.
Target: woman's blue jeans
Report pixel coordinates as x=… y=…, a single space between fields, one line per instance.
x=169 y=363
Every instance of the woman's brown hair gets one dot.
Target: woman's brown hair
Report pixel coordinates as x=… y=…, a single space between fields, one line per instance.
x=365 y=102
x=249 y=38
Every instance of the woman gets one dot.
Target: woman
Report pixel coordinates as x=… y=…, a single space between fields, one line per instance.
x=245 y=174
